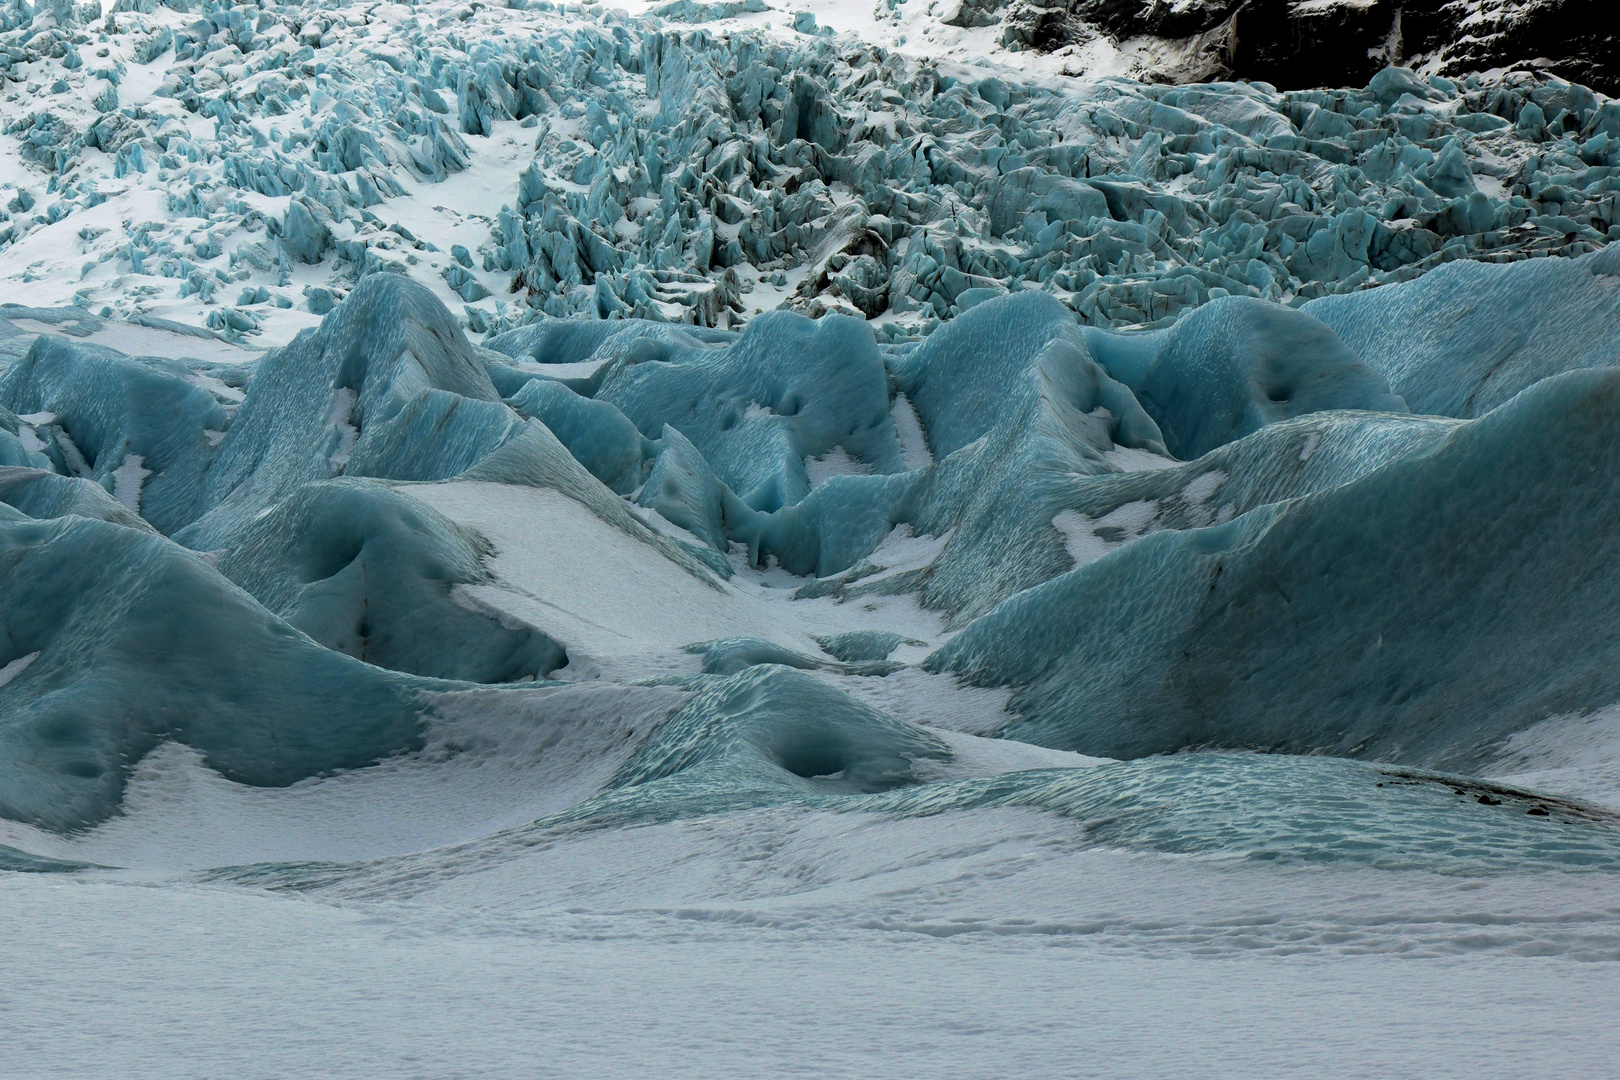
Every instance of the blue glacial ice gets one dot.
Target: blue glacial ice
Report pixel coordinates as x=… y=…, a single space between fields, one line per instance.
x=1144 y=536
x=117 y=639
x=1424 y=599
x=528 y=477
x=1461 y=341
x=651 y=169
x=867 y=405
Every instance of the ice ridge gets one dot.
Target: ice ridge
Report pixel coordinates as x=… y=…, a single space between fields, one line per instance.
x=1146 y=536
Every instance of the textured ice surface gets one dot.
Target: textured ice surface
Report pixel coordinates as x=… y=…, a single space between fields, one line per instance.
x=1380 y=588
x=239 y=169
x=1465 y=339
x=375 y=496
x=136 y=640
x=526 y=479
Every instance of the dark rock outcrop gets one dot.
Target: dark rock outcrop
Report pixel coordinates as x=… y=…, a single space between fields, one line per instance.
x=1306 y=43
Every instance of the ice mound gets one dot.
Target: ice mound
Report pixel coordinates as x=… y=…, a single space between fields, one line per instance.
x=786 y=389
x=362 y=495
x=38 y=493
x=772 y=725
x=371 y=572
x=117 y=639
x=1368 y=618
x=388 y=386
x=1465 y=339
x=1236 y=365
x=600 y=437
x=140 y=426
x=969 y=378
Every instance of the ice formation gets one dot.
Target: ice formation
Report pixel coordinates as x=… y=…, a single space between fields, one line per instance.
x=1316 y=525
x=435 y=436
x=243 y=167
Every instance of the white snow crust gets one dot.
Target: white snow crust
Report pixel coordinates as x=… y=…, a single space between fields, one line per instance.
x=777 y=944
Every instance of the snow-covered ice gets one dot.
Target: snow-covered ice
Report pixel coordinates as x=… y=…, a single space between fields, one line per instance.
x=715 y=539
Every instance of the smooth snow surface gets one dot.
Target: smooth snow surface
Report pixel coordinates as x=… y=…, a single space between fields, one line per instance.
x=205 y=980
x=617 y=601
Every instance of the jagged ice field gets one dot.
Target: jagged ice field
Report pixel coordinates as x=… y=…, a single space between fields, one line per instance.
x=723 y=540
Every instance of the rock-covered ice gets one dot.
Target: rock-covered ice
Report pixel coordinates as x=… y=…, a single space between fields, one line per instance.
x=1292 y=43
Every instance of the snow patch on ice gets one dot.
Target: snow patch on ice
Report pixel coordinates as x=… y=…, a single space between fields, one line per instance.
x=343 y=403
x=1577 y=756
x=975 y=755
x=604 y=594
x=218 y=388
x=914 y=452
x=1200 y=488
x=901 y=551
x=17 y=667
x=934 y=699
x=1087 y=539
x=127 y=481
x=1130 y=459
x=28 y=431
x=581 y=370
x=835 y=462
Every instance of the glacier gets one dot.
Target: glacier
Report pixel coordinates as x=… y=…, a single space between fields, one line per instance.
x=269 y=157
x=308 y=555
x=689 y=536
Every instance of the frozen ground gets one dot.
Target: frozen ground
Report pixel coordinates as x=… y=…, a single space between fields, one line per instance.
x=818 y=948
